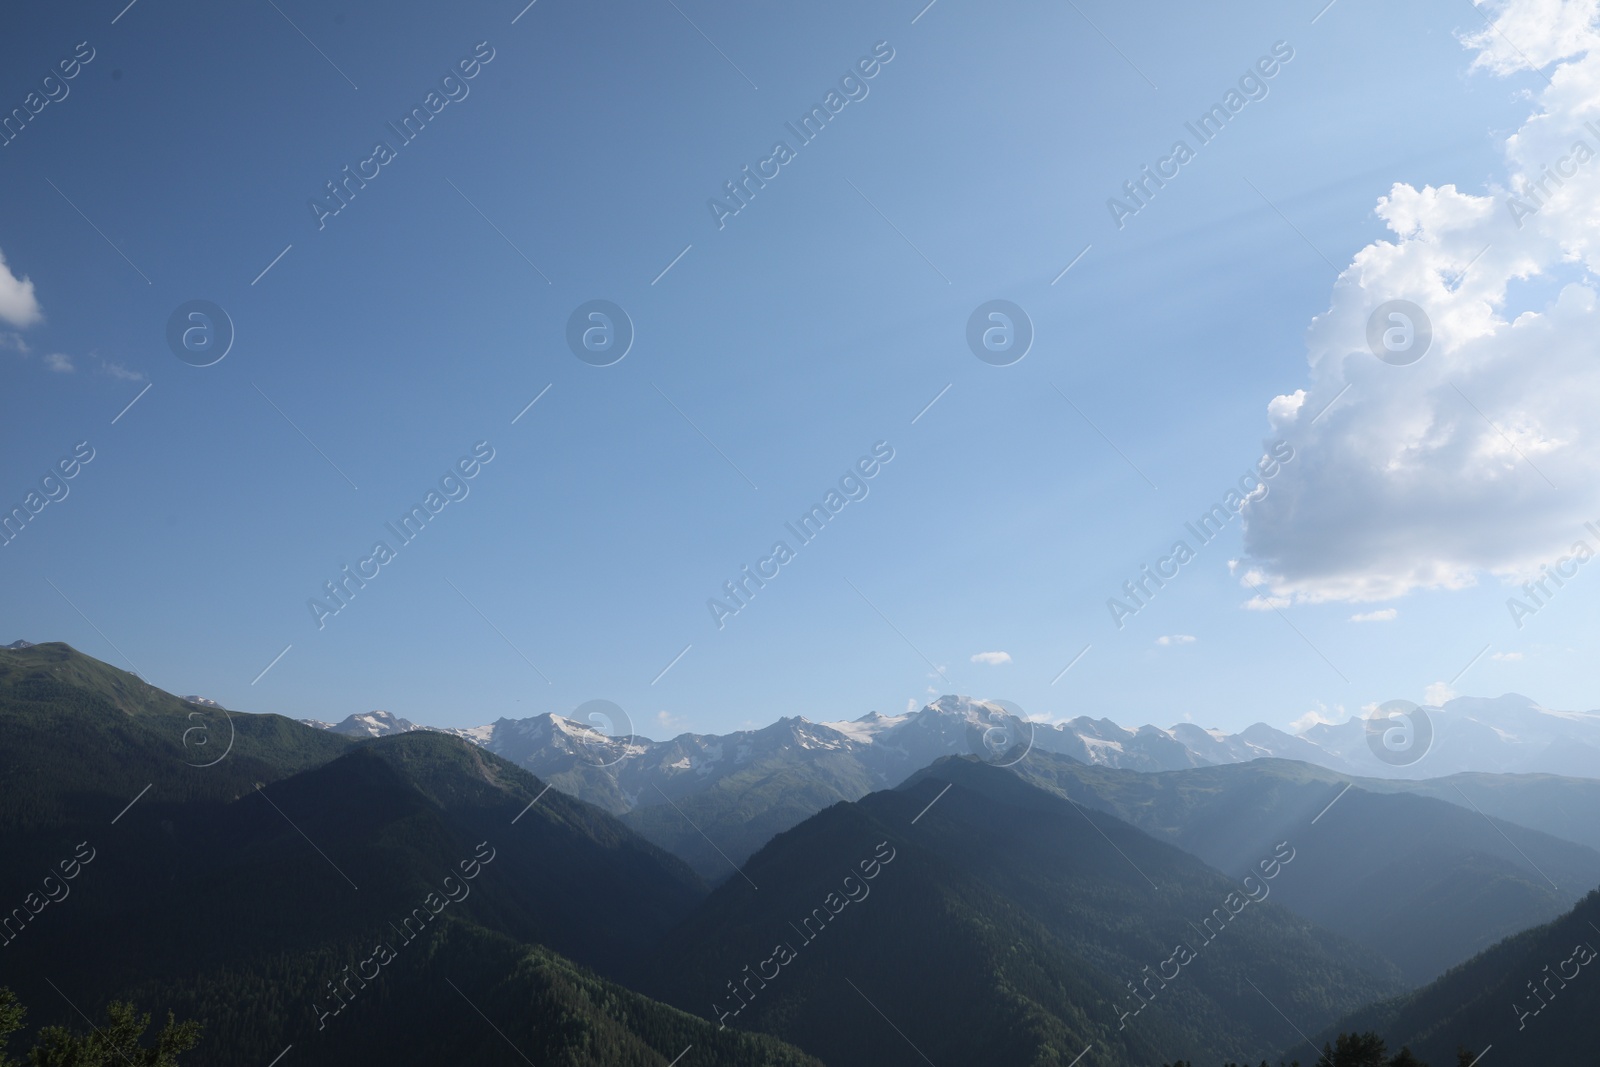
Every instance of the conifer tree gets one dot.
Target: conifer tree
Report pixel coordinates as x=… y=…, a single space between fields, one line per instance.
x=114 y=1043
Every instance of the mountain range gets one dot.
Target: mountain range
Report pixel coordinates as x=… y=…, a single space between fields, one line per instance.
x=715 y=799
x=936 y=887
x=1510 y=734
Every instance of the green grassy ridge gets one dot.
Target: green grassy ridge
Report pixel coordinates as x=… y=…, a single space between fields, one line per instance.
x=79 y=739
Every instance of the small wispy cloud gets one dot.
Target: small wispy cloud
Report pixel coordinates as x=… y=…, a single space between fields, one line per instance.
x=993 y=659
x=121 y=373
x=668 y=720
x=1381 y=615
x=1176 y=639
x=1437 y=693
x=1506 y=657
x=61 y=363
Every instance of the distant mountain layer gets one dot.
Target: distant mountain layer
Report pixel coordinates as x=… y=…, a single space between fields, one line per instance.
x=890 y=745
x=714 y=799
x=1509 y=734
x=1423 y=881
x=1502 y=735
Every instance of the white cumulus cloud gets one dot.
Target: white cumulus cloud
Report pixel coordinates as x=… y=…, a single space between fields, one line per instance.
x=1283 y=410
x=993 y=659
x=1435 y=474
x=18 y=305
x=1176 y=639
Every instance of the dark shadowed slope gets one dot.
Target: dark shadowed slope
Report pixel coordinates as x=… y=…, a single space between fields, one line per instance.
x=323 y=894
x=1001 y=925
x=1531 y=999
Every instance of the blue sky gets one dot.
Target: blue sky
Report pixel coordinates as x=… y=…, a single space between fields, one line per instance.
x=818 y=321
